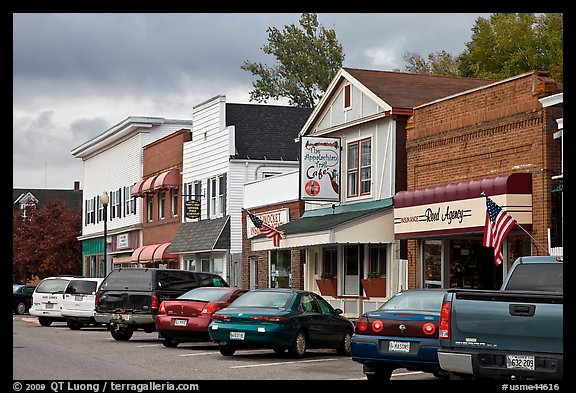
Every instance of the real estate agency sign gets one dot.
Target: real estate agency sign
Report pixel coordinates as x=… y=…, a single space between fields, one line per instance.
x=320 y=169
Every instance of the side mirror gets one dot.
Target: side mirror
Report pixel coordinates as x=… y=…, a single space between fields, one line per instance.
x=338 y=311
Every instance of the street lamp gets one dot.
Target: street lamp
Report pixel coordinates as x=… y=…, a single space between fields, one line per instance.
x=104 y=199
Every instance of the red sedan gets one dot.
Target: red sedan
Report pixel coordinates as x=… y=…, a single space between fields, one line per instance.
x=187 y=317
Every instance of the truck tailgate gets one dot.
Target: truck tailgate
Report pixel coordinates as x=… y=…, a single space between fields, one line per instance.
x=507 y=320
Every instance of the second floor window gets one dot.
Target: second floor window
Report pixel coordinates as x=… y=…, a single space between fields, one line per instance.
x=217 y=196
x=149 y=205
x=174 y=202
x=359 y=169
x=161 y=201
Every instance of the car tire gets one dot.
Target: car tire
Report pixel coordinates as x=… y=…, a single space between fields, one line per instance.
x=299 y=345
x=381 y=373
x=344 y=348
x=121 y=334
x=74 y=325
x=227 y=350
x=170 y=343
x=43 y=321
x=20 y=308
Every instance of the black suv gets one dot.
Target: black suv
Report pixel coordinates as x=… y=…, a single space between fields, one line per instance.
x=128 y=298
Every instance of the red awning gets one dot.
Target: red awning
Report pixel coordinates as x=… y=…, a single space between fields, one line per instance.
x=148 y=186
x=167 y=180
x=137 y=188
x=151 y=253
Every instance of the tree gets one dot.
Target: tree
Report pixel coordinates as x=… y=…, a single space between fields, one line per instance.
x=502 y=46
x=509 y=44
x=307 y=60
x=45 y=244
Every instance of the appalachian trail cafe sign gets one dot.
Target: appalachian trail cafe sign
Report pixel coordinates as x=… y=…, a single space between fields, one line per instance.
x=320 y=169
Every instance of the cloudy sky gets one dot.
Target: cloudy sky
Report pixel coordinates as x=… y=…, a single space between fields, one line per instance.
x=76 y=75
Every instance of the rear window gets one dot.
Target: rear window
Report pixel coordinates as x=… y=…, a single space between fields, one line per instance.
x=53 y=285
x=546 y=277
x=415 y=301
x=206 y=294
x=128 y=279
x=85 y=287
x=263 y=299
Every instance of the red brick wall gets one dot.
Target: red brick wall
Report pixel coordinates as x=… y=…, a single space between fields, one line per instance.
x=296 y=209
x=491 y=132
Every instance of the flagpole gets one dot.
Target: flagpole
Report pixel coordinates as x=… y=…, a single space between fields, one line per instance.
x=525 y=231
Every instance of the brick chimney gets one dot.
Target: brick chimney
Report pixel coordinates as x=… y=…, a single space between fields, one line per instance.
x=76 y=186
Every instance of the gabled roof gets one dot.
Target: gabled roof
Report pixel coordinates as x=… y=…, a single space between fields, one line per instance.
x=266 y=132
x=398 y=92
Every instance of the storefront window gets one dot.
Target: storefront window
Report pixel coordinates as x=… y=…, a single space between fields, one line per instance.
x=432 y=264
x=330 y=262
x=280 y=269
x=377 y=261
x=353 y=257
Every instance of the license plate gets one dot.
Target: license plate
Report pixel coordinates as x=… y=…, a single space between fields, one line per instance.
x=78 y=298
x=123 y=317
x=520 y=362
x=49 y=306
x=398 y=346
x=236 y=335
x=180 y=322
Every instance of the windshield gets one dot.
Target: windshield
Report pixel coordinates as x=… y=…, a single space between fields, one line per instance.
x=263 y=299
x=415 y=301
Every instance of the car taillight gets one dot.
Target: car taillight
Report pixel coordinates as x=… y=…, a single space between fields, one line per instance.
x=429 y=328
x=268 y=318
x=162 y=309
x=224 y=317
x=209 y=308
x=96 y=300
x=362 y=325
x=377 y=326
x=154 y=303
x=444 y=326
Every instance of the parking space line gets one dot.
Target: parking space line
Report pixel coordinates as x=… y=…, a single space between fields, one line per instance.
x=197 y=354
x=149 y=345
x=281 y=363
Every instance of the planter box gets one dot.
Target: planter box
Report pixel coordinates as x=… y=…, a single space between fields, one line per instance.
x=327 y=286
x=374 y=287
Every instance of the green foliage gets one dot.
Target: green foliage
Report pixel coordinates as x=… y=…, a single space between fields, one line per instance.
x=47 y=244
x=505 y=45
x=307 y=59
x=509 y=44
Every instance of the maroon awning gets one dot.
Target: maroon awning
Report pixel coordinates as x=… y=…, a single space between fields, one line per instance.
x=137 y=188
x=152 y=253
x=167 y=180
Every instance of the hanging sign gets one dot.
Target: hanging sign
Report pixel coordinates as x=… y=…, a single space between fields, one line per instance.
x=320 y=169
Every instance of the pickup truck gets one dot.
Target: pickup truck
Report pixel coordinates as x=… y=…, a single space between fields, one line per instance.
x=511 y=333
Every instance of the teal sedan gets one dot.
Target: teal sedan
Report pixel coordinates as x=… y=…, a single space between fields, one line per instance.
x=283 y=320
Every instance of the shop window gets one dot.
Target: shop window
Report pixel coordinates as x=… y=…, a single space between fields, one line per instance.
x=330 y=262
x=377 y=266
x=432 y=263
x=280 y=269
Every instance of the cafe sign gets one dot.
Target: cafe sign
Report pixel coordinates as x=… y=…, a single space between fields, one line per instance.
x=320 y=169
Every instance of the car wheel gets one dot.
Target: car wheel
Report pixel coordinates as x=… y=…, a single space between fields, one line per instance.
x=344 y=348
x=20 y=308
x=73 y=325
x=43 y=321
x=298 y=347
x=440 y=373
x=121 y=334
x=279 y=350
x=227 y=350
x=170 y=343
x=380 y=374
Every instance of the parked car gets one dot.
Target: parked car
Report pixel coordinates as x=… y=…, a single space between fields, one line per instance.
x=22 y=298
x=47 y=299
x=187 y=317
x=402 y=333
x=281 y=319
x=78 y=305
x=128 y=298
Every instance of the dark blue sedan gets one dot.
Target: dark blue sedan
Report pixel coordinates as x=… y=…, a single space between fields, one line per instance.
x=402 y=333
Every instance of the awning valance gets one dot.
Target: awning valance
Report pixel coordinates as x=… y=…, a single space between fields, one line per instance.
x=152 y=253
x=167 y=180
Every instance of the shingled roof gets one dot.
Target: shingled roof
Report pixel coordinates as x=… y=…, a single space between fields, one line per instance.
x=266 y=131
x=72 y=198
x=201 y=236
x=407 y=90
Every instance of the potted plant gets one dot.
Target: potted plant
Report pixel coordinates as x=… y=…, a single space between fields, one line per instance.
x=327 y=284
x=374 y=285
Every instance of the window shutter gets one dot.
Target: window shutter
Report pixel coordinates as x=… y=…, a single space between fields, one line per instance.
x=224 y=193
x=208 y=195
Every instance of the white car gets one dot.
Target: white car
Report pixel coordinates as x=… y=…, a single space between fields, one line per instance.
x=78 y=306
x=47 y=299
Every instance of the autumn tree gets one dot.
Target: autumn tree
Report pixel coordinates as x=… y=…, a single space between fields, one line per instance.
x=45 y=243
x=307 y=59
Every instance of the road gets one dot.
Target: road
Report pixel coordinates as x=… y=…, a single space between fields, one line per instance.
x=57 y=353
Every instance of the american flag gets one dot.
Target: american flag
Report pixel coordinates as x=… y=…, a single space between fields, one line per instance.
x=266 y=229
x=498 y=224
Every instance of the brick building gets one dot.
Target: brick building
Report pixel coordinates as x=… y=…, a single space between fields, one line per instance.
x=497 y=139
